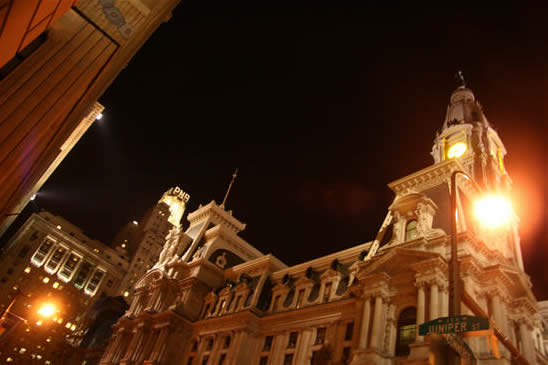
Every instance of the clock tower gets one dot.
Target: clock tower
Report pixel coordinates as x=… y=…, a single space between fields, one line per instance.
x=467 y=135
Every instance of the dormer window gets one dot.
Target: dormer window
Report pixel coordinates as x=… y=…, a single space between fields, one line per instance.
x=411 y=230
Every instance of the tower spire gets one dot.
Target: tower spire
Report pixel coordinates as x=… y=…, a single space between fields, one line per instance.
x=460 y=78
x=229 y=187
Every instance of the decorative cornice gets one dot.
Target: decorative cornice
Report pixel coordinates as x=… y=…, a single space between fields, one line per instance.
x=425 y=178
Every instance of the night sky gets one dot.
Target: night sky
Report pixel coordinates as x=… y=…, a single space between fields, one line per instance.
x=319 y=108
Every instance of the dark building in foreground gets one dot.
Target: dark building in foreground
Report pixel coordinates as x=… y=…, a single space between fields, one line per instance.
x=213 y=299
x=57 y=57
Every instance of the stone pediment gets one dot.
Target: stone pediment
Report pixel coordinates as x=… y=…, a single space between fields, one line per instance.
x=394 y=261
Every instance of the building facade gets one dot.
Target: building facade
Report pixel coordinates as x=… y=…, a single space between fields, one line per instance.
x=49 y=260
x=213 y=299
x=57 y=58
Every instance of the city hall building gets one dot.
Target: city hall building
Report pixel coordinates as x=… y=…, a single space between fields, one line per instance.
x=213 y=299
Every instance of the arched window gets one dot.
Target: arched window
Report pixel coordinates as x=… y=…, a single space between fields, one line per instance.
x=411 y=230
x=407 y=328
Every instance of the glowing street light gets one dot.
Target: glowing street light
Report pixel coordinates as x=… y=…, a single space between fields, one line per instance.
x=47 y=310
x=493 y=211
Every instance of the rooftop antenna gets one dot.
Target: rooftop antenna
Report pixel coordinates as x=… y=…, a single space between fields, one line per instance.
x=460 y=78
x=229 y=187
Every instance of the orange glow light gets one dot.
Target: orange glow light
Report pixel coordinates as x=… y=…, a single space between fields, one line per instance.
x=46 y=310
x=493 y=211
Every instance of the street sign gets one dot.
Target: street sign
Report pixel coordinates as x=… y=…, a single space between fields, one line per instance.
x=456 y=324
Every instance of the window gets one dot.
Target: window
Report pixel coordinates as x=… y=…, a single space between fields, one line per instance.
x=411 y=230
x=349 y=331
x=209 y=344
x=292 y=340
x=320 y=336
x=288 y=359
x=267 y=343
x=82 y=275
x=227 y=342
x=55 y=259
x=68 y=267
x=94 y=282
x=222 y=359
x=42 y=252
x=190 y=359
x=407 y=328
x=346 y=355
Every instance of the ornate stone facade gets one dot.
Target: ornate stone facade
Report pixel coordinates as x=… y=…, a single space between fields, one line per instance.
x=214 y=299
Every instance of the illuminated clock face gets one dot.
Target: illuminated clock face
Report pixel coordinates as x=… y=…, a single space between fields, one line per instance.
x=456 y=150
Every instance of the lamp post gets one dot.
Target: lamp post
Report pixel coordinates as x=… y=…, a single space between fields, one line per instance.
x=46 y=310
x=494 y=211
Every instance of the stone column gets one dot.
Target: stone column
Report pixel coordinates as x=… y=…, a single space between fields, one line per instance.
x=420 y=309
x=112 y=347
x=444 y=308
x=377 y=331
x=159 y=344
x=391 y=323
x=278 y=346
x=500 y=319
x=153 y=299
x=136 y=345
x=434 y=301
x=121 y=348
x=364 y=329
x=133 y=308
x=303 y=347
x=529 y=351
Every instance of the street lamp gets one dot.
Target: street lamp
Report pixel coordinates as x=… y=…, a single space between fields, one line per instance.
x=490 y=210
x=9 y=319
x=47 y=310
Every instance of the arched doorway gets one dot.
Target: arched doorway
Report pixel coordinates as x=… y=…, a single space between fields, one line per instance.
x=407 y=330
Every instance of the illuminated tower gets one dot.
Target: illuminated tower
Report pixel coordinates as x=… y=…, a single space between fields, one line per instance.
x=144 y=240
x=467 y=135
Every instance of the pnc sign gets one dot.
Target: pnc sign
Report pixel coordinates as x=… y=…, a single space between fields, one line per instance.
x=456 y=324
x=179 y=193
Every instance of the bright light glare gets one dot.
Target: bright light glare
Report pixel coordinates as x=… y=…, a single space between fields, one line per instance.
x=456 y=150
x=99 y=116
x=46 y=310
x=33 y=196
x=493 y=211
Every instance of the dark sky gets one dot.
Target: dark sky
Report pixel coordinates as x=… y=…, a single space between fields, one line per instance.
x=319 y=107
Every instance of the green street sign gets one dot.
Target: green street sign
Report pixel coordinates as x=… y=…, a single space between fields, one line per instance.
x=456 y=324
